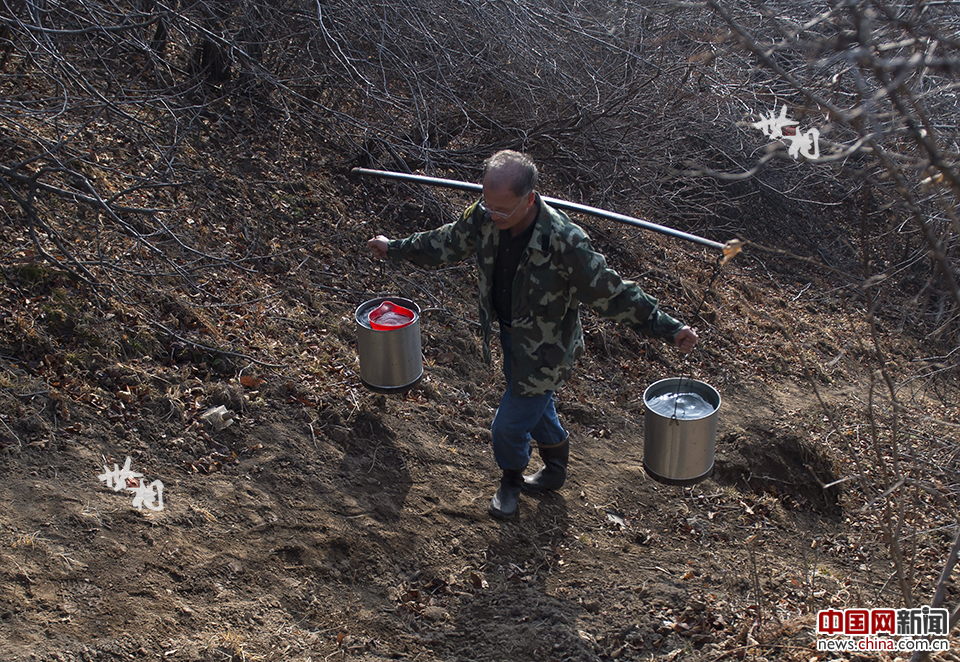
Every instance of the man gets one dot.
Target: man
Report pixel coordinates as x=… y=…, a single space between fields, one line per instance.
x=535 y=268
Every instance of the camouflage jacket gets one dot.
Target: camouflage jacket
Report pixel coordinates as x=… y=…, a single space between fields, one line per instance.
x=559 y=270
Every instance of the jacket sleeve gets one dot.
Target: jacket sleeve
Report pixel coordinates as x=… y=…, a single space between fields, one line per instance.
x=452 y=242
x=596 y=285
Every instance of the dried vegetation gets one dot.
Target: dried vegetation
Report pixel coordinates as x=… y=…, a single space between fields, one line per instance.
x=181 y=230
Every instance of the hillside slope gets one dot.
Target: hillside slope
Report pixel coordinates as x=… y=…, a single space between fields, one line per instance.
x=183 y=230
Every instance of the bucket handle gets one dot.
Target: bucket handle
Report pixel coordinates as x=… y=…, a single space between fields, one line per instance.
x=718 y=265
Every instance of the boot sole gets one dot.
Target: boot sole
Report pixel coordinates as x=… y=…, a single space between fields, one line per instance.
x=497 y=514
x=533 y=488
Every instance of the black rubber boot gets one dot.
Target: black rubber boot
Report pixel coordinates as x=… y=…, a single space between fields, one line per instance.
x=505 y=502
x=554 y=471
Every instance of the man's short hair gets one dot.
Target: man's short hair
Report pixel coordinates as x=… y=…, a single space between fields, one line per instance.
x=519 y=169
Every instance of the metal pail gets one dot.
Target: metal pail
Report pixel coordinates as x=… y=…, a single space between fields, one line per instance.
x=679 y=451
x=390 y=360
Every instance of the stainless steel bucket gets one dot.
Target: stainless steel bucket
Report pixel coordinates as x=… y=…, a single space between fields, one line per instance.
x=390 y=361
x=679 y=451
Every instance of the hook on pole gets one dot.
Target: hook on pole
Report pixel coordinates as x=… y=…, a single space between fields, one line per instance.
x=730 y=250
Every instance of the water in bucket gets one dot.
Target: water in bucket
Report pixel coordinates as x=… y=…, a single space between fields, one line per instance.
x=683 y=405
x=389 y=316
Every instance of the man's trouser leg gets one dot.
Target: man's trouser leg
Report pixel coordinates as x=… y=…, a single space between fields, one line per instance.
x=517 y=420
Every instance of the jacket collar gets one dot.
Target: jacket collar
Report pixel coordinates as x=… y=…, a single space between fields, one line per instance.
x=542 y=227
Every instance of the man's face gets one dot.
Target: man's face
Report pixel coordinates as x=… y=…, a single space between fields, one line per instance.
x=506 y=210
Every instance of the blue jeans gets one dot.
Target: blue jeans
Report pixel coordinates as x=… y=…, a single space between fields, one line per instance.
x=522 y=418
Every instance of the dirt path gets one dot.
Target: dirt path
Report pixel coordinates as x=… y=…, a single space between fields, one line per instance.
x=360 y=531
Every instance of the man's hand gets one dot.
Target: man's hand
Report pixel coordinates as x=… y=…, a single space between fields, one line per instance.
x=379 y=246
x=686 y=340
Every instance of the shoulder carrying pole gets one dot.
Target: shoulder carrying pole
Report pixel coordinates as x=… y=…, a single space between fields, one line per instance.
x=729 y=249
